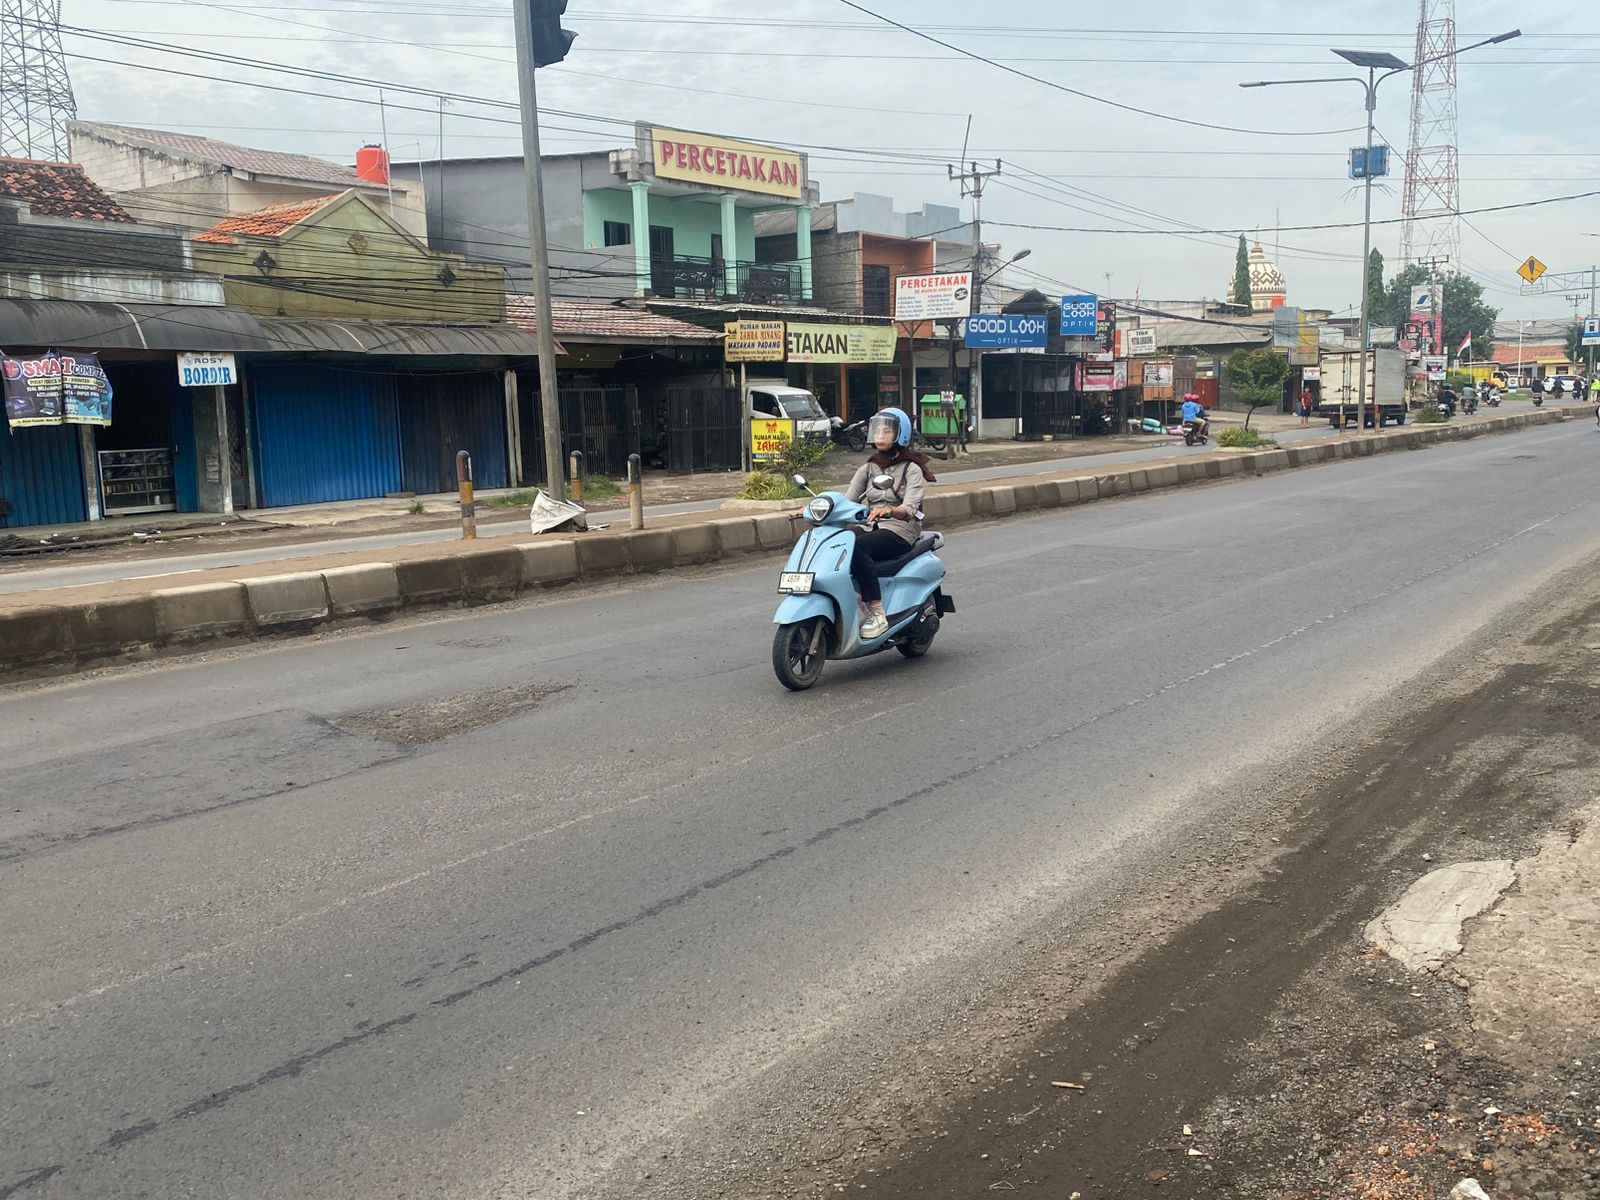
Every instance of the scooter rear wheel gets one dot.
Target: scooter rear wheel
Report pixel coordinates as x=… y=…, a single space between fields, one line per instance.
x=799 y=652
x=921 y=639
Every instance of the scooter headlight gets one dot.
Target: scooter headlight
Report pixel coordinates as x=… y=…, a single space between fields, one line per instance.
x=818 y=509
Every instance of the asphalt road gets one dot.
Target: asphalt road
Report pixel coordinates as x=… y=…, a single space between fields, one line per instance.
x=502 y=903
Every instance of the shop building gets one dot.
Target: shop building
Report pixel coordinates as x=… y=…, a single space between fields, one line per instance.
x=671 y=216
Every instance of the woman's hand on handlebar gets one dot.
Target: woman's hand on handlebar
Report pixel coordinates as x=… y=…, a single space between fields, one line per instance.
x=879 y=513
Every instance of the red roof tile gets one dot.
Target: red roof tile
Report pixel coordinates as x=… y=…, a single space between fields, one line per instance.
x=265 y=222
x=576 y=319
x=56 y=189
x=300 y=167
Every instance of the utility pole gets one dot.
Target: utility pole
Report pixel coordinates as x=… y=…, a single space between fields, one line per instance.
x=539 y=47
x=972 y=180
x=1433 y=266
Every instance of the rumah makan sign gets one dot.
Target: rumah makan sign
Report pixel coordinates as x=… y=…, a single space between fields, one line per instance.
x=703 y=158
x=939 y=297
x=754 y=341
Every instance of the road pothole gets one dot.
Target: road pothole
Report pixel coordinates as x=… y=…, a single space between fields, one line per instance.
x=448 y=716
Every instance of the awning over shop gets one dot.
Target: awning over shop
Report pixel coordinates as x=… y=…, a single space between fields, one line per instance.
x=42 y=324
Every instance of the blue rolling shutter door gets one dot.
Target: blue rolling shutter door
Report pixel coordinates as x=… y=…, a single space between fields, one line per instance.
x=324 y=434
x=41 y=475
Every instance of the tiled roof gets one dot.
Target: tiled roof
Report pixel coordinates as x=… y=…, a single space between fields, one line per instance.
x=55 y=189
x=188 y=146
x=576 y=319
x=265 y=222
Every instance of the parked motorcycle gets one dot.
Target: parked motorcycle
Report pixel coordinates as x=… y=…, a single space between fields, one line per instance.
x=820 y=615
x=852 y=437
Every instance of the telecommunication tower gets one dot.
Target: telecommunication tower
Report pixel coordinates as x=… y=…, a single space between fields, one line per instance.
x=1433 y=175
x=35 y=94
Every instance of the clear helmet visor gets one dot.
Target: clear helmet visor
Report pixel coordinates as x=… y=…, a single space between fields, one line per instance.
x=883 y=421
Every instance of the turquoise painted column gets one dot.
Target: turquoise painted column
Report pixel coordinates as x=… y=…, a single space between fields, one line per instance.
x=730 y=248
x=802 y=247
x=641 y=235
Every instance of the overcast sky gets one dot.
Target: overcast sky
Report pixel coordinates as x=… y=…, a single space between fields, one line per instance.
x=881 y=110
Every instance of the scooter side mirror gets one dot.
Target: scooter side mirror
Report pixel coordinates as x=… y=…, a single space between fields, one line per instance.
x=883 y=481
x=800 y=481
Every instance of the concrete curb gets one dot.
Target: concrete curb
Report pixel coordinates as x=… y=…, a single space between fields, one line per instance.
x=52 y=639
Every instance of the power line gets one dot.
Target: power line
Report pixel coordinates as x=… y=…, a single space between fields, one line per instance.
x=1082 y=95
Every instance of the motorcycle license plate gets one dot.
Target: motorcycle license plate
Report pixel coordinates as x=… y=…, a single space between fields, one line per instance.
x=796 y=583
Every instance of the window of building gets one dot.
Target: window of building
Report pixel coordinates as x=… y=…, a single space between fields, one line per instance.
x=875 y=292
x=618 y=233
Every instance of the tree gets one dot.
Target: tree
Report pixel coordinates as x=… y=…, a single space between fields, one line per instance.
x=1377 y=296
x=1575 y=342
x=1241 y=275
x=1464 y=309
x=1256 y=377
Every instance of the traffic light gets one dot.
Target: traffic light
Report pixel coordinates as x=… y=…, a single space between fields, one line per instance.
x=550 y=41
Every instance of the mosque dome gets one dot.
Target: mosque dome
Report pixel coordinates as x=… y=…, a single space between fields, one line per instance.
x=1267 y=288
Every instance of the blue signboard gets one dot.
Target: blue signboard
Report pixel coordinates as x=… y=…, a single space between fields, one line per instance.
x=1005 y=331
x=1078 y=316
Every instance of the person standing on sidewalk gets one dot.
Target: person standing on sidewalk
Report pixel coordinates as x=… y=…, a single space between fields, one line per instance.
x=1307 y=401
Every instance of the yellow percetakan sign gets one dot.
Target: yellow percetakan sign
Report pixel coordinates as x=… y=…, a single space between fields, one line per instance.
x=770 y=438
x=724 y=163
x=841 y=343
x=753 y=341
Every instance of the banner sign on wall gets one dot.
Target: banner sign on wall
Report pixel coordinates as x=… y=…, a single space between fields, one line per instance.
x=841 y=343
x=1102 y=376
x=753 y=341
x=54 y=389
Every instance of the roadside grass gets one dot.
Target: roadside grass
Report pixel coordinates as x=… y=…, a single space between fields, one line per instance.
x=597 y=487
x=768 y=485
x=1240 y=438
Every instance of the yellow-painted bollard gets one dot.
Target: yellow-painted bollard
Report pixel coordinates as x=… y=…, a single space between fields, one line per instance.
x=469 y=509
x=635 y=492
x=575 y=461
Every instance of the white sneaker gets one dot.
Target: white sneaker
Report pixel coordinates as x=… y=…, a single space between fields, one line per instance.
x=875 y=626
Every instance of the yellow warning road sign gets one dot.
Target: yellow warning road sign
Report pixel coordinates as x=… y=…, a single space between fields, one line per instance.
x=1532 y=269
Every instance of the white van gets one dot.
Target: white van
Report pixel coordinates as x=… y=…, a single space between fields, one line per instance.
x=775 y=398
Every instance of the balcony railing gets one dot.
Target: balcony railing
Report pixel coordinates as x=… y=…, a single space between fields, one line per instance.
x=685 y=278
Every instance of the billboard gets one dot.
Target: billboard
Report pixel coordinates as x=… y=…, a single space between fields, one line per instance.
x=1005 y=331
x=936 y=297
x=1078 y=316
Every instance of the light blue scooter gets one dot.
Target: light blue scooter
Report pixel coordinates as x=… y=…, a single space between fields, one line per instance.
x=820 y=615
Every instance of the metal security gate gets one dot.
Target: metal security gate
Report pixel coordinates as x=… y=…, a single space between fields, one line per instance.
x=441 y=414
x=703 y=429
x=603 y=422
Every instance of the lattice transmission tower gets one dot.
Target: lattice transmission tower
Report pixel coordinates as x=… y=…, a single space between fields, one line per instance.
x=1433 y=174
x=35 y=94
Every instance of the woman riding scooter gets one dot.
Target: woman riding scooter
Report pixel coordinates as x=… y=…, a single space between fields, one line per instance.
x=895 y=512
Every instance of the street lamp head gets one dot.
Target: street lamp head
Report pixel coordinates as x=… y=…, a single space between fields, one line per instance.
x=1505 y=37
x=1379 y=60
x=1018 y=256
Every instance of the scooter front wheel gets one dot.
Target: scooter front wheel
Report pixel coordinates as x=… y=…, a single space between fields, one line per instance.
x=799 y=652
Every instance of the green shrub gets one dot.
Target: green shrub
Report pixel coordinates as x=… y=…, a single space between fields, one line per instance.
x=801 y=455
x=1240 y=437
x=768 y=485
x=1429 y=414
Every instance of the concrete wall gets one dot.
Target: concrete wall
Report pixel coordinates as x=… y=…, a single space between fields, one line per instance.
x=58 y=244
x=110 y=287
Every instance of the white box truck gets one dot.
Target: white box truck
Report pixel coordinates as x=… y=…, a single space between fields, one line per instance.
x=775 y=398
x=1339 y=398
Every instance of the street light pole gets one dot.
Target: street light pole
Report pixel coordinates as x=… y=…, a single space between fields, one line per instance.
x=1373 y=61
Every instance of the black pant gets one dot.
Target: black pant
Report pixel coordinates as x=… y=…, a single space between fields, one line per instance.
x=873 y=547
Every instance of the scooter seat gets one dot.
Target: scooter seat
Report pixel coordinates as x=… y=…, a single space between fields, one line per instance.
x=893 y=566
